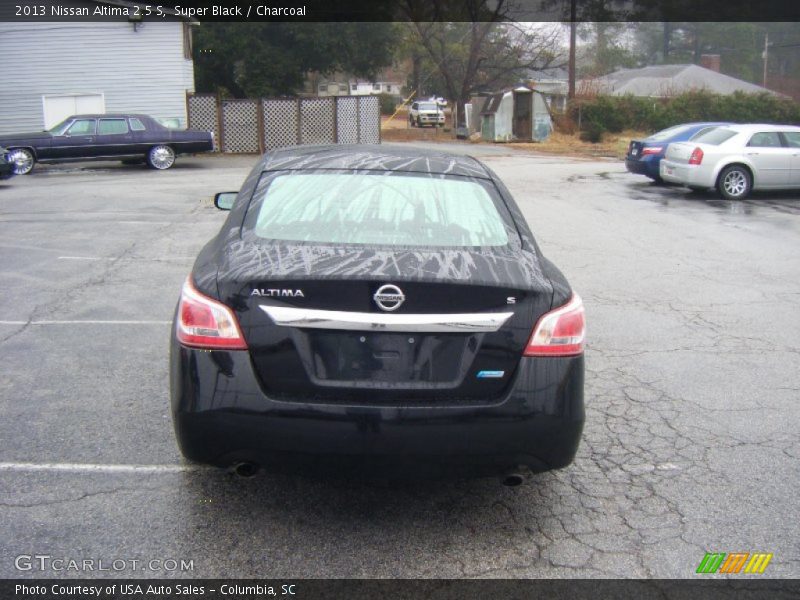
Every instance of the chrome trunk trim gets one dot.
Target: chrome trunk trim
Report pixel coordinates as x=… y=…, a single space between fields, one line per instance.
x=286 y=316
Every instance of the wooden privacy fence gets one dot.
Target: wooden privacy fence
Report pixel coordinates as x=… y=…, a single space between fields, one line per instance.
x=262 y=124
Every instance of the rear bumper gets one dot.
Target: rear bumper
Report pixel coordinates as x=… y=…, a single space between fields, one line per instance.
x=221 y=417
x=6 y=170
x=648 y=166
x=685 y=174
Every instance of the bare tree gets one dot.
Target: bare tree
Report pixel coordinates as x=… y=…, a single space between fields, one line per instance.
x=485 y=50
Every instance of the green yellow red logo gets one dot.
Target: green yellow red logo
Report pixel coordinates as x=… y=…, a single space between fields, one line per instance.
x=735 y=562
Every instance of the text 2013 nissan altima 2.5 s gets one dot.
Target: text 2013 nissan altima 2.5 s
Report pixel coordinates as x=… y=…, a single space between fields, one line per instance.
x=388 y=307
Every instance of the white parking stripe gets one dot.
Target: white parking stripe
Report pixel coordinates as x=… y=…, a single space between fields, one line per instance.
x=126 y=258
x=85 y=322
x=97 y=468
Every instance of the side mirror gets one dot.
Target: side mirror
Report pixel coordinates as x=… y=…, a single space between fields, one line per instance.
x=225 y=200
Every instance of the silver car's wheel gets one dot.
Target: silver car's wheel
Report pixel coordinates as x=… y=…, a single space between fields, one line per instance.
x=734 y=182
x=161 y=157
x=22 y=159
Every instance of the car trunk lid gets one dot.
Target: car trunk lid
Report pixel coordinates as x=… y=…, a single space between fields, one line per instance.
x=316 y=330
x=680 y=152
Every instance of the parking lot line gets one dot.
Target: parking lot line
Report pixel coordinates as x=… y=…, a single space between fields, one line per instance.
x=97 y=468
x=85 y=322
x=126 y=258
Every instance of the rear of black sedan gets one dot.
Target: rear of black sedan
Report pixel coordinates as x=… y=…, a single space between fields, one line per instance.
x=6 y=165
x=384 y=307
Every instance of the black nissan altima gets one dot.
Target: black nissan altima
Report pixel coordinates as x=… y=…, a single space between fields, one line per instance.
x=388 y=307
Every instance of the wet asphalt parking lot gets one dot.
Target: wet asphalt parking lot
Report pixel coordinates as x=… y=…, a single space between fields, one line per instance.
x=693 y=394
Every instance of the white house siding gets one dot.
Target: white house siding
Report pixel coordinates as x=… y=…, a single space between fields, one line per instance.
x=143 y=71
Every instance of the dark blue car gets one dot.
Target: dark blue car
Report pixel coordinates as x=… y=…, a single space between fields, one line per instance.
x=644 y=156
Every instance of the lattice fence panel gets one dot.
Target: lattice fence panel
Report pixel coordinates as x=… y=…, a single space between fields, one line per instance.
x=240 y=125
x=202 y=110
x=280 y=123
x=317 y=121
x=347 y=119
x=369 y=116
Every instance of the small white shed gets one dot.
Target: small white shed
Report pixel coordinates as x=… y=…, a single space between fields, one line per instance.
x=518 y=114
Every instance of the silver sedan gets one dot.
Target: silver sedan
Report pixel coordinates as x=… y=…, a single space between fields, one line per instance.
x=736 y=159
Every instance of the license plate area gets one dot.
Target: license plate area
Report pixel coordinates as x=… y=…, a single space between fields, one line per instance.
x=406 y=360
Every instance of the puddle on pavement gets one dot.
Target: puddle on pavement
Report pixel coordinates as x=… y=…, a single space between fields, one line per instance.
x=759 y=204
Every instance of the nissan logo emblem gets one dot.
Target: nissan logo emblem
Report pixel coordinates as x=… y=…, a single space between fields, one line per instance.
x=389 y=297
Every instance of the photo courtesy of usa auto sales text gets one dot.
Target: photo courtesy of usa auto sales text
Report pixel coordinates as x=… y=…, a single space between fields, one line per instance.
x=133 y=589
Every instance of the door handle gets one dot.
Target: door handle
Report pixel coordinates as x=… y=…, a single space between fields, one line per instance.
x=752 y=154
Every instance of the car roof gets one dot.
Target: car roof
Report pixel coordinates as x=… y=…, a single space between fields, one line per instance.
x=110 y=116
x=754 y=127
x=373 y=158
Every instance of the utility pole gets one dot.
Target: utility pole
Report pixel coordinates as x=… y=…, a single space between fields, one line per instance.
x=572 y=38
x=765 y=56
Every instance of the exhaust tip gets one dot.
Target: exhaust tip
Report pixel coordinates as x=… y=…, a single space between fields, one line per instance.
x=246 y=470
x=513 y=480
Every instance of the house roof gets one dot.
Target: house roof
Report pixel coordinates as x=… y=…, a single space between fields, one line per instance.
x=668 y=80
x=552 y=74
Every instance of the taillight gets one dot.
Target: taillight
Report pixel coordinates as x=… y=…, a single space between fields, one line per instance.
x=206 y=323
x=560 y=332
x=697 y=157
x=651 y=150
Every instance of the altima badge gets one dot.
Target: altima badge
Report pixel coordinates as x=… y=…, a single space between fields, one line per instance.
x=389 y=297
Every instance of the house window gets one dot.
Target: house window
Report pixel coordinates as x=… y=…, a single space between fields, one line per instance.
x=376 y=87
x=353 y=87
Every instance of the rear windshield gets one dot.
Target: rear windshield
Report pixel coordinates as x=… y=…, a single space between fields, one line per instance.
x=714 y=136
x=378 y=209
x=665 y=134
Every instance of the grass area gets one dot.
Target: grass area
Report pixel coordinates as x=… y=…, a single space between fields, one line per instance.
x=613 y=145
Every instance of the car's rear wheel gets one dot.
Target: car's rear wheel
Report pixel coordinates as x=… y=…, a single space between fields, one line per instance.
x=22 y=159
x=161 y=157
x=734 y=182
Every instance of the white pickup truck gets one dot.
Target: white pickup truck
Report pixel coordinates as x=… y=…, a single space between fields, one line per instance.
x=426 y=112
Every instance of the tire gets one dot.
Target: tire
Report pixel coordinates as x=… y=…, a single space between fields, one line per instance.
x=734 y=182
x=161 y=157
x=23 y=160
